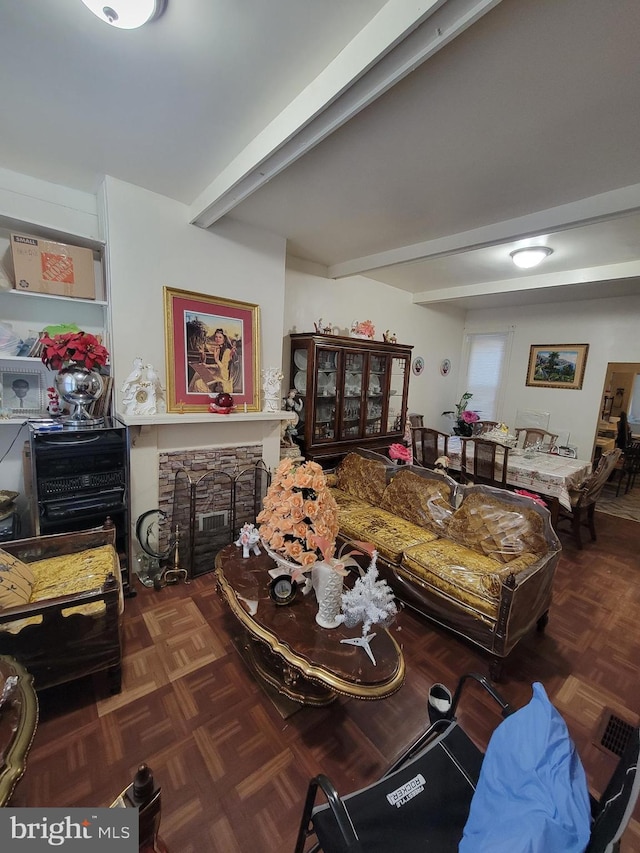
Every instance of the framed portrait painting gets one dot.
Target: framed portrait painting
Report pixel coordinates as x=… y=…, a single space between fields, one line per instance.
x=212 y=346
x=557 y=365
x=22 y=392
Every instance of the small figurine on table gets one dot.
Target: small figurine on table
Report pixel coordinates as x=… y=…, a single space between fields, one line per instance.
x=248 y=539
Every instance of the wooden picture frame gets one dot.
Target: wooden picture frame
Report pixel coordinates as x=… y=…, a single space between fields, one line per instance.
x=22 y=392
x=212 y=346
x=557 y=365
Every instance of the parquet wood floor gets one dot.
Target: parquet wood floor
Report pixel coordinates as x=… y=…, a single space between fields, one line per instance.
x=234 y=772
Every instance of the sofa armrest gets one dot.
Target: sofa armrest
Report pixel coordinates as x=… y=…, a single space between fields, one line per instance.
x=524 y=599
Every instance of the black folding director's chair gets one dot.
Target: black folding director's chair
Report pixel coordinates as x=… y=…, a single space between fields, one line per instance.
x=434 y=781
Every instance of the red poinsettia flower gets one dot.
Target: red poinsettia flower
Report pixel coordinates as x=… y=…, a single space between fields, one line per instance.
x=73 y=348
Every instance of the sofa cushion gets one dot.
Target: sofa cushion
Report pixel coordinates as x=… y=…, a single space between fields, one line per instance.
x=388 y=533
x=362 y=478
x=16 y=581
x=345 y=501
x=497 y=528
x=425 y=502
x=69 y=574
x=461 y=573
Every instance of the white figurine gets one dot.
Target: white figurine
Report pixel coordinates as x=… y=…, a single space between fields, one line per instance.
x=248 y=539
x=271 y=379
x=141 y=390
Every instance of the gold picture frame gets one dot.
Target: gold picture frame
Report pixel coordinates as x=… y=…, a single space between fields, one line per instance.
x=557 y=366
x=212 y=346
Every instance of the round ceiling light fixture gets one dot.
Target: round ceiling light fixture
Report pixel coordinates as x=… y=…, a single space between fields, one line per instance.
x=530 y=257
x=126 y=14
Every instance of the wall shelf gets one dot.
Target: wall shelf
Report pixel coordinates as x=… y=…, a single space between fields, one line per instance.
x=24 y=294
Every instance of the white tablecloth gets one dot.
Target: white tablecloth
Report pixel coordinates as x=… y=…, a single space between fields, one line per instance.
x=546 y=473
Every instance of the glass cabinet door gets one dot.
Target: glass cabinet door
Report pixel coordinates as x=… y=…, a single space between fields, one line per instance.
x=352 y=396
x=299 y=380
x=324 y=425
x=399 y=366
x=376 y=392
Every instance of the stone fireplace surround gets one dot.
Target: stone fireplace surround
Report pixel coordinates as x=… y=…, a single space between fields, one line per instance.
x=243 y=435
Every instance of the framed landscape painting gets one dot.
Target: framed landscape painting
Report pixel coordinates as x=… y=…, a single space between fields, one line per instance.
x=557 y=365
x=212 y=347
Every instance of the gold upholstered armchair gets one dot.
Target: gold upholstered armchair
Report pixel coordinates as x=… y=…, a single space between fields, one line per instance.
x=61 y=604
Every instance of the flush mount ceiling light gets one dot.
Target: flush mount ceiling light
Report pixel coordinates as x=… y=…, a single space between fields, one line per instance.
x=530 y=257
x=126 y=14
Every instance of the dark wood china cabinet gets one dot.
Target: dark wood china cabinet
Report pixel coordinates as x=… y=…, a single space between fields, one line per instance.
x=353 y=392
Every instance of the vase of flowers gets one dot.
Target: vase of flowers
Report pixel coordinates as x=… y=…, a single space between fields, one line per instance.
x=298 y=525
x=76 y=355
x=363 y=329
x=464 y=418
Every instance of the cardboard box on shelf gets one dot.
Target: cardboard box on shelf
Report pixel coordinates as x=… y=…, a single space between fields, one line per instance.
x=43 y=266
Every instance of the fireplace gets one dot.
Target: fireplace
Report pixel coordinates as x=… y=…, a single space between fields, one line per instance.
x=208 y=494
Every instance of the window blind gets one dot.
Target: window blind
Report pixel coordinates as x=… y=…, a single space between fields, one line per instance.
x=485 y=372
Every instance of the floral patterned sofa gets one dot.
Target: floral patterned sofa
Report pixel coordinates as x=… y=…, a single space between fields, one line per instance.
x=477 y=560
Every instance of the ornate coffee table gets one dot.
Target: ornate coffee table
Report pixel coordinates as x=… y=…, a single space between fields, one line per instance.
x=290 y=651
x=18 y=722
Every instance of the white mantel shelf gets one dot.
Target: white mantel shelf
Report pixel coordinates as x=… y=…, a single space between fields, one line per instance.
x=201 y=418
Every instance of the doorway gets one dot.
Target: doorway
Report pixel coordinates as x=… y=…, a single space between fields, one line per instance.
x=621 y=393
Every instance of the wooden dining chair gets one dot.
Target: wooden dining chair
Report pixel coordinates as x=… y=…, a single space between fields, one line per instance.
x=584 y=499
x=415 y=420
x=484 y=462
x=428 y=444
x=532 y=435
x=629 y=466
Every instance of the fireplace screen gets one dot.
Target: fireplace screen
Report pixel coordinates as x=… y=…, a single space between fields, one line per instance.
x=209 y=510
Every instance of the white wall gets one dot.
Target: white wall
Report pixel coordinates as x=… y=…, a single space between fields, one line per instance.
x=609 y=326
x=150 y=245
x=434 y=332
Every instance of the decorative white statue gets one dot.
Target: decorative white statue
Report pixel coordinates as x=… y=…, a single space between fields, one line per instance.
x=141 y=390
x=271 y=379
x=248 y=539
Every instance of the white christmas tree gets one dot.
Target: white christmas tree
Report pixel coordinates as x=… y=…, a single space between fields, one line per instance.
x=370 y=602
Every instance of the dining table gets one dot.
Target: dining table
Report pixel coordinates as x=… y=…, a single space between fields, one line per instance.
x=545 y=473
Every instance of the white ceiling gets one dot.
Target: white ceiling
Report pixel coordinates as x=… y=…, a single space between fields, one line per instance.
x=416 y=143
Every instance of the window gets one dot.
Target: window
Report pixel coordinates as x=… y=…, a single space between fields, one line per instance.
x=486 y=360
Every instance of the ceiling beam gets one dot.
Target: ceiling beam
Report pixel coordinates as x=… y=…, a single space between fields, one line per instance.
x=598 y=208
x=402 y=36
x=588 y=275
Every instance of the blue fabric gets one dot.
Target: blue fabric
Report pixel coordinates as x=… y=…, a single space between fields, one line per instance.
x=532 y=794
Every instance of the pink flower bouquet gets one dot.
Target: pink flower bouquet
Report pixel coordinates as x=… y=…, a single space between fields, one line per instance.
x=400 y=453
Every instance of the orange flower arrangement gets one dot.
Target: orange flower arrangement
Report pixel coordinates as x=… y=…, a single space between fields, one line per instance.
x=299 y=519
